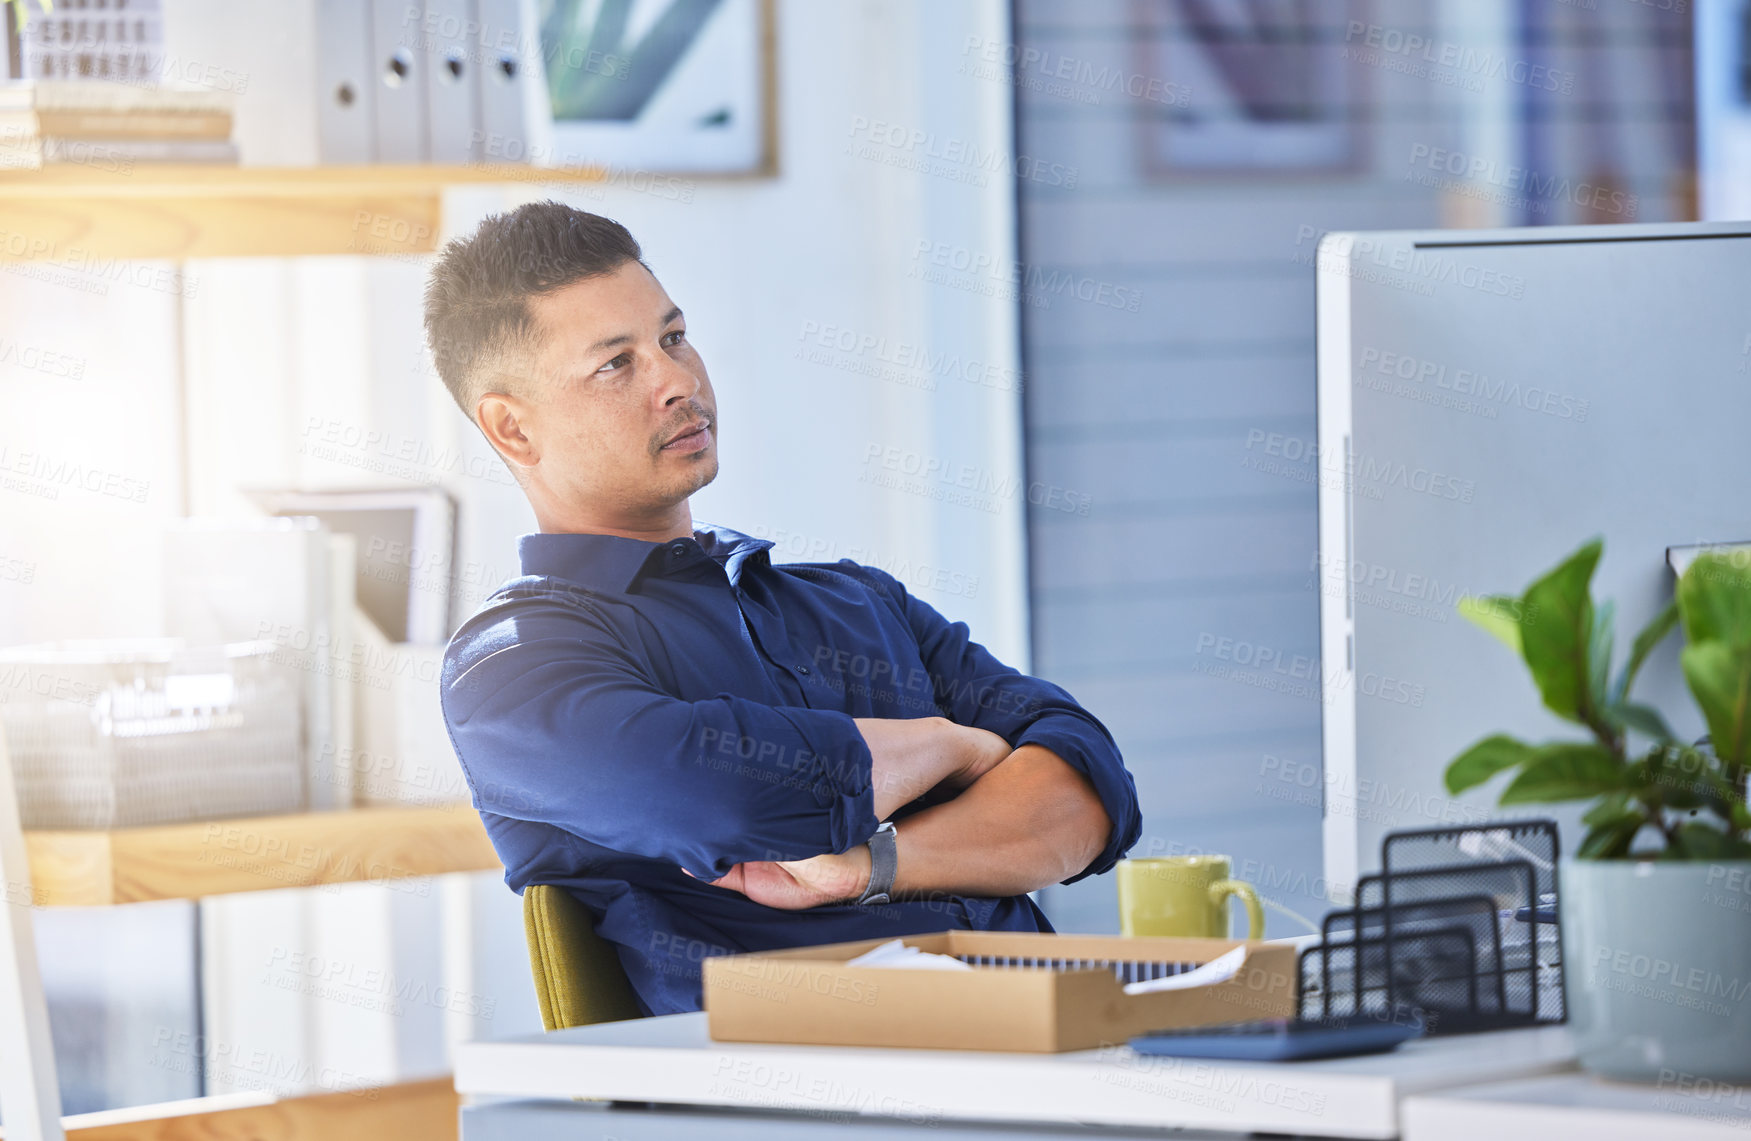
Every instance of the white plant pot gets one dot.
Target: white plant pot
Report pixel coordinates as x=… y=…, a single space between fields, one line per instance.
x=1657 y=968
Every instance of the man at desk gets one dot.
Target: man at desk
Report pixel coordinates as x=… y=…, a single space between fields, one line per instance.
x=714 y=753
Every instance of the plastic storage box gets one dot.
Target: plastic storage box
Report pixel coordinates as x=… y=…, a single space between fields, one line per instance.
x=115 y=733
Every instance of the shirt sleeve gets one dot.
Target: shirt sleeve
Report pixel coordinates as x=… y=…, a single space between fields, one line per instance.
x=555 y=721
x=973 y=688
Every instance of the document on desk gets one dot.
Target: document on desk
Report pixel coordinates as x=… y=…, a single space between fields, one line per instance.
x=897 y=954
x=1216 y=971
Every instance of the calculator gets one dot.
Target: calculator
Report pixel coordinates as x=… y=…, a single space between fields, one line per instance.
x=1287 y=1039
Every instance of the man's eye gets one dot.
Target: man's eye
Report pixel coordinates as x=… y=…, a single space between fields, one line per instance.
x=618 y=362
x=675 y=337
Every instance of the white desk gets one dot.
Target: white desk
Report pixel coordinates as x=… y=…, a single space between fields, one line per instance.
x=1577 y=1106
x=672 y=1061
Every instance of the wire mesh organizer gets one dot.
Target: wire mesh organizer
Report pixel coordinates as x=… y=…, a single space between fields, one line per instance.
x=1126 y=971
x=1460 y=923
x=114 y=733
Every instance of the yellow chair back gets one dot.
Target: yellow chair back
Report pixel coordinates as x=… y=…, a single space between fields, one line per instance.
x=578 y=977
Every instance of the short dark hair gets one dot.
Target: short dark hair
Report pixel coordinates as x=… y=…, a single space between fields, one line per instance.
x=477 y=299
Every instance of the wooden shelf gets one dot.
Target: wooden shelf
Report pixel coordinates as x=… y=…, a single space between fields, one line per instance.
x=255 y=853
x=74 y=215
x=409 y=1111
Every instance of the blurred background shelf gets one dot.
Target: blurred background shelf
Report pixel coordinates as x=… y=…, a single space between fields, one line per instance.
x=407 y=1109
x=74 y=213
x=256 y=853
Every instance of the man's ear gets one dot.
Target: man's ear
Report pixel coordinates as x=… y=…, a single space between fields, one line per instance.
x=501 y=418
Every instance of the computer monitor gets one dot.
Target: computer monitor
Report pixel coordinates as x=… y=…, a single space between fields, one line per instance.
x=1488 y=401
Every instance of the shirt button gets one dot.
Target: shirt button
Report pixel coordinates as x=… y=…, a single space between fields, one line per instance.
x=802 y=669
x=677 y=549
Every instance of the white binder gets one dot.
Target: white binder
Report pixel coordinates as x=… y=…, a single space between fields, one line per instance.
x=345 y=83
x=454 y=56
x=511 y=51
x=402 y=67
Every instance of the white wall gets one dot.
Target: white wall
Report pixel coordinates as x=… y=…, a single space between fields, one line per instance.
x=312 y=372
x=88 y=443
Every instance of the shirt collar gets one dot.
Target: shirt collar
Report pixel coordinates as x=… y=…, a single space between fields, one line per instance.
x=613 y=563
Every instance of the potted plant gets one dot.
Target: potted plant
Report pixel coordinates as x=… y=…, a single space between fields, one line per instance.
x=1655 y=905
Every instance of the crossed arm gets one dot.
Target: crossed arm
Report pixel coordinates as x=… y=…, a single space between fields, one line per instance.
x=557 y=720
x=1022 y=820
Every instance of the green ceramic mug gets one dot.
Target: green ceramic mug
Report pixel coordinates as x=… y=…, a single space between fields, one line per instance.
x=1184 y=895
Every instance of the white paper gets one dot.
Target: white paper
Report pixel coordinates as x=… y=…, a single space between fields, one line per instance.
x=1216 y=971
x=896 y=954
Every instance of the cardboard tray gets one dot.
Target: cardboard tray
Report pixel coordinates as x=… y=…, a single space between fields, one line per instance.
x=1052 y=993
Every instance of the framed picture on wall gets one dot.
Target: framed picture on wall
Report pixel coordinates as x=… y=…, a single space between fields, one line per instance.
x=667 y=86
x=1267 y=86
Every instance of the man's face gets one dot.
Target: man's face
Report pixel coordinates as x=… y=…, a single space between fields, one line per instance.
x=621 y=412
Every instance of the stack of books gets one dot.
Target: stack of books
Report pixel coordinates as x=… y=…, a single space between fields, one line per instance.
x=111 y=126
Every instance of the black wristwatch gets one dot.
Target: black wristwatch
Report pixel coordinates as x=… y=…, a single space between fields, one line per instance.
x=884 y=860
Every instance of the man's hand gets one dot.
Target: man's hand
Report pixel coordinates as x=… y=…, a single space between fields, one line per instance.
x=792 y=885
x=910 y=756
x=979 y=751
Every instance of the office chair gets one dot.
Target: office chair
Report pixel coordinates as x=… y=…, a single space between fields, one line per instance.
x=578 y=977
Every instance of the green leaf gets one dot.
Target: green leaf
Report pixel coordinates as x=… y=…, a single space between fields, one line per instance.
x=1682 y=794
x=1610 y=839
x=1556 y=630
x=1652 y=635
x=1599 y=647
x=1714 y=599
x=1484 y=760
x=1683 y=777
x=1720 y=679
x=1497 y=614
x=1644 y=719
x=1610 y=806
x=1698 y=841
x=1566 y=771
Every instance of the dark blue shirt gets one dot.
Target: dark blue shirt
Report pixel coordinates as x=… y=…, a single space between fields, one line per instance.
x=625 y=710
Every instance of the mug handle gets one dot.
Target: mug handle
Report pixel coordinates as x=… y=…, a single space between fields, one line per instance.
x=1255 y=912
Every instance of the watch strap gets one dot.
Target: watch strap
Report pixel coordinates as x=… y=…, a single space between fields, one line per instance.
x=884 y=861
